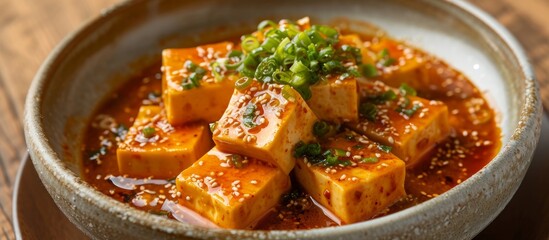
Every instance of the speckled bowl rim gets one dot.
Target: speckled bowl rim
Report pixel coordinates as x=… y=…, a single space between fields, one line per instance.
x=530 y=113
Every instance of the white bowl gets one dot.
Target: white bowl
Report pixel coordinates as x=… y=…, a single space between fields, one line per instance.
x=97 y=58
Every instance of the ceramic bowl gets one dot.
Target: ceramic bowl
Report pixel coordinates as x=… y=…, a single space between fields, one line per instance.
x=93 y=61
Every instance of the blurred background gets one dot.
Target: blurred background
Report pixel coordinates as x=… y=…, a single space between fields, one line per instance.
x=29 y=29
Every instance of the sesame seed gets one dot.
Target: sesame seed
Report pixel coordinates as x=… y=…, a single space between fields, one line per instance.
x=342 y=177
x=254 y=182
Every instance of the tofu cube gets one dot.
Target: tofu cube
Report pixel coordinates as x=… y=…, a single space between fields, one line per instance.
x=265 y=121
x=335 y=100
x=410 y=133
x=160 y=151
x=230 y=190
x=408 y=66
x=361 y=186
x=214 y=91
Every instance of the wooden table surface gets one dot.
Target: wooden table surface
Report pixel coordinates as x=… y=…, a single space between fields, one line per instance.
x=29 y=29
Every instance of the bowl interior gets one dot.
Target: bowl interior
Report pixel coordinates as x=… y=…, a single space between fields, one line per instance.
x=109 y=50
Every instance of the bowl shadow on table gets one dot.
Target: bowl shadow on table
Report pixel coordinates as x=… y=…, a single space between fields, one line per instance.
x=527 y=214
x=525 y=217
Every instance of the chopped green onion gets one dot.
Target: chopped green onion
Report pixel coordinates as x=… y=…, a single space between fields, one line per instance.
x=369 y=160
x=270 y=44
x=266 y=23
x=385 y=57
x=287 y=93
x=299 y=80
x=368 y=110
x=384 y=53
x=388 y=62
x=187 y=85
x=303 y=39
x=389 y=95
x=384 y=148
x=216 y=71
x=265 y=69
x=298 y=67
x=280 y=53
x=358 y=146
x=321 y=128
x=148 y=132
x=249 y=115
x=243 y=83
x=331 y=33
x=340 y=152
x=332 y=66
x=302 y=150
x=212 y=126
x=326 y=54
x=189 y=65
x=409 y=112
x=281 y=77
x=406 y=90
x=345 y=163
x=305 y=92
x=234 y=53
x=368 y=70
x=315 y=37
x=237 y=161
x=249 y=43
x=331 y=160
x=250 y=61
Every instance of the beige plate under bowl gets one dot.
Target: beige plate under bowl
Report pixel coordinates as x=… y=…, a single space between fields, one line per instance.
x=96 y=59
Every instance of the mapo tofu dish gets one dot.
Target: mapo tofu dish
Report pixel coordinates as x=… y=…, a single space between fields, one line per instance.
x=293 y=126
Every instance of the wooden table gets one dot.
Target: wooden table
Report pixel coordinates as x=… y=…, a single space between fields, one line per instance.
x=30 y=29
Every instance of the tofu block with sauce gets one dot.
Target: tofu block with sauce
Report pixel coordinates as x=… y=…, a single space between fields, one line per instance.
x=194 y=73
x=265 y=121
x=154 y=148
x=397 y=63
x=352 y=177
x=231 y=190
x=335 y=100
x=408 y=124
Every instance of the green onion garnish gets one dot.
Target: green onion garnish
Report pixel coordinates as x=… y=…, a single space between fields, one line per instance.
x=288 y=94
x=266 y=23
x=249 y=115
x=242 y=83
x=384 y=148
x=148 y=131
x=212 y=126
x=368 y=110
x=249 y=43
x=340 y=152
x=368 y=70
x=293 y=56
x=237 y=161
x=321 y=128
x=409 y=112
x=369 y=160
x=194 y=78
x=406 y=90
x=385 y=58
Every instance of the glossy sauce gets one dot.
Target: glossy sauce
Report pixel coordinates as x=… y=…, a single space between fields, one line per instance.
x=473 y=142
